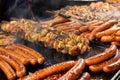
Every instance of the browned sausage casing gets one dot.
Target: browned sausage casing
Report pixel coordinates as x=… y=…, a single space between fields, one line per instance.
x=18 y=66
x=41 y=74
x=102 y=56
x=21 y=58
x=99 y=67
x=105 y=33
x=101 y=28
x=107 y=38
x=75 y=71
x=112 y=67
x=7 y=69
x=28 y=56
x=85 y=76
x=36 y=54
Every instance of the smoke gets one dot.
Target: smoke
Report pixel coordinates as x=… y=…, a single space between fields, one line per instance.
x=19 y=9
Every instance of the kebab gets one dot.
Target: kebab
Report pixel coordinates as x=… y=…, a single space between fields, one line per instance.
x=59 y=40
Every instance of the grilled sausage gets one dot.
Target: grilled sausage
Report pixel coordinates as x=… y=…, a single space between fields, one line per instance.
x=84 y=28
x=36 y=54
x=115 y=43
x=21 y=58
x=99 y=67
x=101 y=28
x=91 y=28
x=18 y=66
x=75 y=71
x=112 y=67
x=97 y=23
x=40 y=74
x=117 y=38
x=85 y=76
x=107 y=39
x=7 y=69
x=102 y=56
x=28 y=56
x=92 y=22
x=105 y=33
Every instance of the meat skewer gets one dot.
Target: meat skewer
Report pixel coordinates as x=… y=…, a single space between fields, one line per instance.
x=59 y=40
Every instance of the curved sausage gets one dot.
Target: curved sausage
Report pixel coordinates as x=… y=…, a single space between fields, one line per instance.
x=41 y=74
x=75 y=71
x=91 y=28
x=85 y=76
x=117 y=38
x=92 y=22
x=56 y=20
x=99 y=67
x=28 y=56
x=36 y=54
x=84 y=28
x=115 y=43
x=107 y=39
x=18 y=66
x=101 y=28
x=117 y=33
x=105 y=33
x=97 y=23
x=112 y=67
x=7 y=69
x=20 y=58
x=102 y=56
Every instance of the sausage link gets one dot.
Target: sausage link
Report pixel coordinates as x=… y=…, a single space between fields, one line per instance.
x=102 y=56
x=85 y=76
x=99 y=67
x=101 y=28
x=112 y=67
x=41 y=74
x=115 y=43
x=75 y=71
x=28 y=56
x=97 y=23
x=117 y=33
x=20 y=57
x=91 y=28
x=7 y=69
x=92 y=22
x=18 y=66
x=107 y=39
x=36 y=54
x=105 y=33
x=117 y=38
x=84 y=28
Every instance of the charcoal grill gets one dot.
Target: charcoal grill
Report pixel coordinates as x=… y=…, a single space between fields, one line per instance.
x=51 y=55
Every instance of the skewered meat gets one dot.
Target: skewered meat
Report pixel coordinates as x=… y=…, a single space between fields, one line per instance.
x=59 y=40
